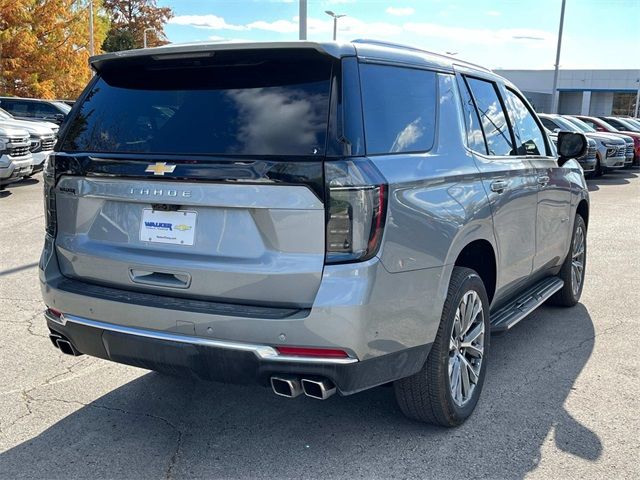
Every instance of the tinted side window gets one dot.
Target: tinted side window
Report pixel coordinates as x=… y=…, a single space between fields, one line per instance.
x=16 y=108
x=549 y=124
x=475 y=137
x=529 y=136
x=399 y=108
x=44 y=109
x=494 y=120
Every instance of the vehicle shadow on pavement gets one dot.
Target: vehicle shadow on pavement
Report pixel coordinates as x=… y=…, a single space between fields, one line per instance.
x=158 y=426
x=26 y=182
x=616 y=177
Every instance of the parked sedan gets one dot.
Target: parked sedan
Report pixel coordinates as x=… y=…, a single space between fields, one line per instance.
x=632 y=138
x=610 y=150
x=35 y=109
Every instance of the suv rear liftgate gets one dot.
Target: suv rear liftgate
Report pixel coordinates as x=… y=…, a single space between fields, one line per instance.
x=196 y=186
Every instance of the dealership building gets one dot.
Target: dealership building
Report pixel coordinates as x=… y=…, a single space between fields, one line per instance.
x=581 y=92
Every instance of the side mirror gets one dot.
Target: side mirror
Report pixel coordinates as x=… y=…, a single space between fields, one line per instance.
x=571 y=145
x=556 y=130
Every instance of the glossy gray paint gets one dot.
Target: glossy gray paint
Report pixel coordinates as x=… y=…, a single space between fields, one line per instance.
x=438 y=203
x=249 y=247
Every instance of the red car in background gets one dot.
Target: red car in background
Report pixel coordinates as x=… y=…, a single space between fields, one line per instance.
x=604 y=126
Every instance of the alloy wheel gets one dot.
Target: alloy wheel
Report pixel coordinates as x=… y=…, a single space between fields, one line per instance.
x=466 y=348
x=577 y=260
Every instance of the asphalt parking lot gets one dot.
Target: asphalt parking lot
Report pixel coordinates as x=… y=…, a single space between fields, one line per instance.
x=562 y=397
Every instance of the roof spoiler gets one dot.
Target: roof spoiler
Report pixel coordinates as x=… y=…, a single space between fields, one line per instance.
x=204 y=50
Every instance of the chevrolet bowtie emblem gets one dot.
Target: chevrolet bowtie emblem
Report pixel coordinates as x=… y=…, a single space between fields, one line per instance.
x=160 y=168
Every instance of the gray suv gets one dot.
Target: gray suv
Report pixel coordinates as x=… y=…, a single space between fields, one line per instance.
x=319 y=217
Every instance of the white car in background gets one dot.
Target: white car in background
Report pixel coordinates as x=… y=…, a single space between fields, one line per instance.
x=16 y=161
x=42 y=137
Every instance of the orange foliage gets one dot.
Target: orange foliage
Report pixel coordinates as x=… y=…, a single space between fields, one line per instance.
x=44 y=48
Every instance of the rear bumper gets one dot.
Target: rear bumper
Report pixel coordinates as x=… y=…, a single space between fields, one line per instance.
x=229 y=362
x=385 y=322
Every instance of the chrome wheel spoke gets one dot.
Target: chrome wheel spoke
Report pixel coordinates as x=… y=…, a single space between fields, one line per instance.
x=474 y=350
x=457 y=325
x=456 y=387
x=466 y=381
x=473 y=376
x=473 y=335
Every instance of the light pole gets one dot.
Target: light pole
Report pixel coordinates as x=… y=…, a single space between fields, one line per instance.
x=554 y=93
x=302 y=20
x=144 y=35
x=91 y=46
x=635 y=113
x=335 y=22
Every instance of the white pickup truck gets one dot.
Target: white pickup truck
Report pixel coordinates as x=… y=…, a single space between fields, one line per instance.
x=16 y=161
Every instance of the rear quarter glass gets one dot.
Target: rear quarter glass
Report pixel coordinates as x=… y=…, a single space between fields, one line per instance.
x=236 y=103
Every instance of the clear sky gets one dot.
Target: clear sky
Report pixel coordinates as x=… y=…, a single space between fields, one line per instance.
x=496 y=34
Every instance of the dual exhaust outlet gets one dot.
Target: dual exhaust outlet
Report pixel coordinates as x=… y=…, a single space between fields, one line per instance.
x=292 y=387
x=63 y=344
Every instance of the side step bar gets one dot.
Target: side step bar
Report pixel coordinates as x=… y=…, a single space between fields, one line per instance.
x=518 y=308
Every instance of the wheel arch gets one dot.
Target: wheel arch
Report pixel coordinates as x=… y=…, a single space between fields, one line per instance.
x=583 y=210
x=480 y=256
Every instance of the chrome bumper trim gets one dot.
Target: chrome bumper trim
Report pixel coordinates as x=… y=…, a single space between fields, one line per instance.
x=263 y=352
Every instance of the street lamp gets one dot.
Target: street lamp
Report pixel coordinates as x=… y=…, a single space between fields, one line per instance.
x=302 y=22
x=144 y=35
x=554 y=93
x=91 y=46
x=335 y=21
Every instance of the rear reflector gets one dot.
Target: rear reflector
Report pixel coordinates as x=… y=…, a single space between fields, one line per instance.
x=54 y=312
x=312 y=352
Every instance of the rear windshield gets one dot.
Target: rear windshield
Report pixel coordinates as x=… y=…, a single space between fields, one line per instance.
x=272 y=103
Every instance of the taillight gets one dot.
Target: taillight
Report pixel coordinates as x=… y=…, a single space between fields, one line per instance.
x=356 y=208
x=49 y=176
x=312 y=352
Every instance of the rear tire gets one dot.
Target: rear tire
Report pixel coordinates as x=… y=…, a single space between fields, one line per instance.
x=446 y=390
x=573 y=268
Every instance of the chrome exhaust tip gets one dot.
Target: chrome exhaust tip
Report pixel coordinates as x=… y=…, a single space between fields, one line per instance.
x=54 y=337
x=66 y=347
x=286 y=386
x=320 y=389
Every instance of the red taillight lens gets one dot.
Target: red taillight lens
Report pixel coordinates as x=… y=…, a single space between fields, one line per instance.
x=312 y=352
x=356 y=207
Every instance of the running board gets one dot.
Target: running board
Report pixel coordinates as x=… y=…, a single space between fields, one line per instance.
x=525 y=303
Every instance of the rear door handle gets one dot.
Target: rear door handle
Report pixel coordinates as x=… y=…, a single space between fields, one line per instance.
x=543 y=180
x=499 y=186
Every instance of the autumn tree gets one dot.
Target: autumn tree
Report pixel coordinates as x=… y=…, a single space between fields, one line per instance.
x=129 y=20
x=44 y=46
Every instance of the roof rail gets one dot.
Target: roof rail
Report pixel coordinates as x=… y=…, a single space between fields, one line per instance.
x=383 y=43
